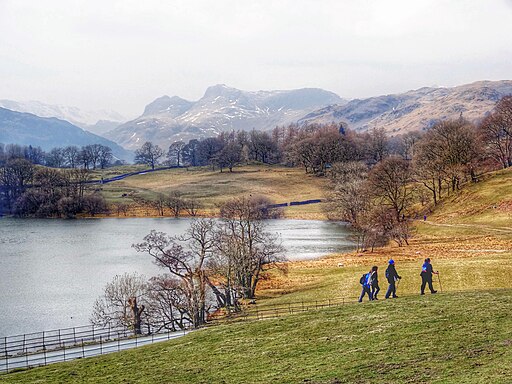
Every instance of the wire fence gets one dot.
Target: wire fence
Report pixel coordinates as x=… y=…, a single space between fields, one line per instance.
x=268 y=312
x=43 y=348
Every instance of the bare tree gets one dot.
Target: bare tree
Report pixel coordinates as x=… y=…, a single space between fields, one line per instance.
x=105 y=156
x=175 y=203
x=159 y=203
x=15 y=175
x=208 y=150
x=445 y=154
x=55 y=158
x=192 y=206
x=229 y=156
x=71 y=156
x=120 y=208
x=80 y=178
x=175 y=153
x=122 y=303
x=94 y=204
x=390 y=181
x=185 y=258
x=496 y=131
x=247 y=248
x=148 y=154
x=378 y=145
x=168 y=303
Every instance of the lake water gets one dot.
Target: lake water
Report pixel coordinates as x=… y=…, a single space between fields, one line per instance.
x=52 y=271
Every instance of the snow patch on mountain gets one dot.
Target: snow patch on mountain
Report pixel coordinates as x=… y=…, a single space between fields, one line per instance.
x=221 y=109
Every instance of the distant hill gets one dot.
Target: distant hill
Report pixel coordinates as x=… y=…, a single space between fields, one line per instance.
x=28 y=129
x=221 y=109
x=415 y=110
x=97 y=122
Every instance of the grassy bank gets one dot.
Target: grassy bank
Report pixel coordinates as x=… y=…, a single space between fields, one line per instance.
x=211 y=188
x=487 y=203
x=449 y=338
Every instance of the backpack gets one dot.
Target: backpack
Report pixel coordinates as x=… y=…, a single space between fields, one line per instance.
x=362 y=280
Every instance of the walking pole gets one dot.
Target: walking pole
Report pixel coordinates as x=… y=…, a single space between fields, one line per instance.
x=439 y=278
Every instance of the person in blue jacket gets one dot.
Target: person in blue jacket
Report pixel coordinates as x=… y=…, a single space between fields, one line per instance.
x=392 y=276
x=426 y=276
x=366 y=283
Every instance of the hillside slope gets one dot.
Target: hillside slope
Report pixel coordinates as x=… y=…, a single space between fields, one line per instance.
x=415 y=110
x=446 y=338
x=95 y=121
x=28 y=129
x=487 y=203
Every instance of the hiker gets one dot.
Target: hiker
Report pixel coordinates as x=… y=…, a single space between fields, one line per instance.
x=375 y=282
x=393 y=277
x=426 y=276
x=366 y=283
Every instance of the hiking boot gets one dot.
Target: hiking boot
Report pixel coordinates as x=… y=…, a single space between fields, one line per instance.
x=434 y=291
x=395 y=297
x=422 y=293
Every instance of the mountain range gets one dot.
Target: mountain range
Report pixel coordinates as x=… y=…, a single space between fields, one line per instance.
x=415 y=110
x=49 y=132
x=97 y=121
x=221 y=109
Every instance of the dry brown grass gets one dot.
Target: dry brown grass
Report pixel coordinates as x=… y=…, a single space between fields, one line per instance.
x=468 y=258
x=211 y=188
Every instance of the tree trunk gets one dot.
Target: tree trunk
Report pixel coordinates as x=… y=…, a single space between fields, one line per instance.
x=137 y=312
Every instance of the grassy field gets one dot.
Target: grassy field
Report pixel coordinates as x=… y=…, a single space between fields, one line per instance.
x=448 y=338
x=461 y=335
x=472 y=260
x=280 y=184
x=468 y=237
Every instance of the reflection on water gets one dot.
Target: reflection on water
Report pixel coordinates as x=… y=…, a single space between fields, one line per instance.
x=51 y=271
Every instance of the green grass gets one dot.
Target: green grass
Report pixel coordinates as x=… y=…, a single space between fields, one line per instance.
x=318 y=281
x=448 y=338
x=487 y=203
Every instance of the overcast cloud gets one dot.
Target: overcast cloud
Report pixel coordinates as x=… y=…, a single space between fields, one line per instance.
x=123 y=54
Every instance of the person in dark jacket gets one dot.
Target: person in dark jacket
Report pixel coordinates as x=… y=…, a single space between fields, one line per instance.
x=392 y=277
x=426 y=276
x=375 y=282
x=366 y=283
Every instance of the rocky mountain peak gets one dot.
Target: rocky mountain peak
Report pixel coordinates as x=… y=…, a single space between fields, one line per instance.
x=173 y=106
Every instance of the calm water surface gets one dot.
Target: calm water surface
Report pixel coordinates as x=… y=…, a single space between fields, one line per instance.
x=52 y=271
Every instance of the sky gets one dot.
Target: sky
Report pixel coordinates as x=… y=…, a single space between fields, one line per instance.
x=121 y=55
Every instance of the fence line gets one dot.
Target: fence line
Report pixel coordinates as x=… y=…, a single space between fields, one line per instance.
x=43 y=348
x=81 y=350
x=23 y=351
